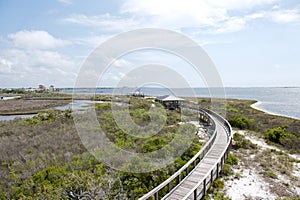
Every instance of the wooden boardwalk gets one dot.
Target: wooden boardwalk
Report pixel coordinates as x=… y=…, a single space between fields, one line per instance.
x=212 y=158
x=182 y=190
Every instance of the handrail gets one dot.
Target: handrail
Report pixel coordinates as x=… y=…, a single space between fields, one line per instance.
x=200 y=154
x=213 y=168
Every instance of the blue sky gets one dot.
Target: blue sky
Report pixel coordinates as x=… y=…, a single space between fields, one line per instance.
x=251 y=42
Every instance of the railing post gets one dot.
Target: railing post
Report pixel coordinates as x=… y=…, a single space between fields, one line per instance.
x=169 y=187
x=156 y=196
x=179 y=178
x=204 y=187
x=195 y=194
x=218 y=169
x=211 y=176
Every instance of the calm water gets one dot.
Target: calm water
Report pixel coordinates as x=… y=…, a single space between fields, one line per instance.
x=75 y=105
x=280 y=101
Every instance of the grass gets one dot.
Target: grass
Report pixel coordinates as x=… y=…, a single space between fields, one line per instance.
x=21 y=106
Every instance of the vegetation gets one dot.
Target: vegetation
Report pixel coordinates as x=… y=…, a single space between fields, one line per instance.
x=43 y=158
x=241 y=122
x=21 y=106
x=239 y=141
x=240 y=115
x=280 y=136
x=232 y=160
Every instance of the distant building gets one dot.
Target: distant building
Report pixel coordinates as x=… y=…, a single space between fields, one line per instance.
x=51 y=88
x=170 y=102
x=42 y=88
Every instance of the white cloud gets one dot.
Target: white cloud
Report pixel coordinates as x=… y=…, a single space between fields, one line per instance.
x=202 y=16
x=257 y=15
x=232 y=25
x=105 y=22
x=285 y=16
x=65 y=1
x=92 y=41
x=176 y=13
x=238 y=4
x=21 y=67
x=5 y=65
x=36 y=40
x=206 y=14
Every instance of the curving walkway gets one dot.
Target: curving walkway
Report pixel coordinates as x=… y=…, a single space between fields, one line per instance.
x=183 y=190
x=211 y=160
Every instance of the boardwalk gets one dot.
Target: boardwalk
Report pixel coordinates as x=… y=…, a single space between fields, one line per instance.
x=212 y=158
x=206 y=165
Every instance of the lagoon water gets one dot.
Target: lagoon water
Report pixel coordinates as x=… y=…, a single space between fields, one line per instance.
x=275 y=100
x=278 y=101
x=77 y=105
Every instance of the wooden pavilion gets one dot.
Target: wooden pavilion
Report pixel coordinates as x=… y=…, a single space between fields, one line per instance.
x=170 y=102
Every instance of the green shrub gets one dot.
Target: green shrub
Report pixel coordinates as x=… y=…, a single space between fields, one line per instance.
x=218 y=184
x=219 y=196
x=232 y=160
x=241 y=142
x=276 y=135
x=241 y=122
x=226 y=171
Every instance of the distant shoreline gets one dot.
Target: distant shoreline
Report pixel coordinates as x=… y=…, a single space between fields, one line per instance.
x=256 y=107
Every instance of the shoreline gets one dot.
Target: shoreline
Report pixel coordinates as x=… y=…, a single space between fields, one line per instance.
x=258 y=103
x=255 y=106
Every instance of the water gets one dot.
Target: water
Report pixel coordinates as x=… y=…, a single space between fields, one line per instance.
x=280 y=101
x=77 y=105
x=11 y=117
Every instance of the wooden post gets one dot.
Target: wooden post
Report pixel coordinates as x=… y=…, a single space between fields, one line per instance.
x=195 y=194
x=156 y=196
x=179 y=178
x=211 y=176
x=169 y=187
x=218 y=169
x=204 y=187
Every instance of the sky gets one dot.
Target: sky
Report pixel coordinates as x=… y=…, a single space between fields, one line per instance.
x=253 y=43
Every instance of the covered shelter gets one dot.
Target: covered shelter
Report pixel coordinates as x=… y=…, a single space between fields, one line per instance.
x=170 y=102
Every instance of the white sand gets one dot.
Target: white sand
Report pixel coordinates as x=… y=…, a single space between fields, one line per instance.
x=251 y=184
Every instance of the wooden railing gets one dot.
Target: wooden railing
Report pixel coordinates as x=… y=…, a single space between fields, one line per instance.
x=192 y=163
x=200 y=189
x=210 y=176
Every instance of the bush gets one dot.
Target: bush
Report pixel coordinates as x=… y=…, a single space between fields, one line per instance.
x=226 y=171
x=232 y=160
x=241 y=122
x=218 y=184
x=276 y=135
x=241 y=142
